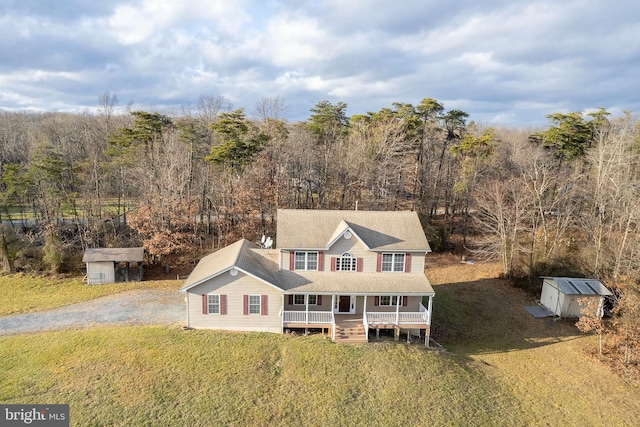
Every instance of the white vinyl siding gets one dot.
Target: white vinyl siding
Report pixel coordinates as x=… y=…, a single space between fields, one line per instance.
x=235 y=288
x=365 y=260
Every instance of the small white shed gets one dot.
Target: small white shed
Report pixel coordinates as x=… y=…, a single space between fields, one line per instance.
x=103 y=265
x=561 y=294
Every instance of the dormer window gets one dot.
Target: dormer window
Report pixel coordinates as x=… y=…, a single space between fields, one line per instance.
x=346 y=262
x=306 y=260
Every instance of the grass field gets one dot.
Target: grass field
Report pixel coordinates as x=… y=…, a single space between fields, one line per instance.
x=25 y=294
x=501 y=367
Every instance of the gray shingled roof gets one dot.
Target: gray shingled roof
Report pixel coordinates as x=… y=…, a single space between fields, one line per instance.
x=241 y=254
x=113 y=255
x=379 y=230
x=263 y=263
x=354 y=283
x=579 y=286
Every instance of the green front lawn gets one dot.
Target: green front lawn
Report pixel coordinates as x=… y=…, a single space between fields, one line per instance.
x=502 y=368
x=134 y=376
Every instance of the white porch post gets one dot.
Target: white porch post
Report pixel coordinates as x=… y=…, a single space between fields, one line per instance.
x=282 y=315
x=333 y=319
x=306 y=308
x=364 y=314
x=428 y=334
x=398 y=310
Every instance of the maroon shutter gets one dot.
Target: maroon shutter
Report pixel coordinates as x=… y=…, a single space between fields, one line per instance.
x=223 y=304
x=292 y=259
x=319 y=300
x=359 y=265
x=263 y=305
x=290 y=299
x=404 y=301
x=407 y=263
x=320 y=261
x=379 y=263
x=376 y=301
x=205 y=304
x=333 y=263
x=245 y=308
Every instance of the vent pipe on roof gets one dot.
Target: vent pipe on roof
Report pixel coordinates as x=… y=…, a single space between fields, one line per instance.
x=356 y=205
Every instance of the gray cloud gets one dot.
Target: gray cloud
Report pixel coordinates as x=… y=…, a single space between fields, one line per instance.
x=508 y=63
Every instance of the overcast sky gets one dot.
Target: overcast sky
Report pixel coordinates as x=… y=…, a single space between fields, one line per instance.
x=505 y=62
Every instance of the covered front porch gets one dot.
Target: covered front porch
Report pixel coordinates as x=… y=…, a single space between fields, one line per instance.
x=337 y=313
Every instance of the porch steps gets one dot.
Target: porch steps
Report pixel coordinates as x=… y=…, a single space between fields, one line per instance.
x=350 y=333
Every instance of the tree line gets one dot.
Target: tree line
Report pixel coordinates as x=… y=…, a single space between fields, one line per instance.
x=560 y=200
x=564 y=198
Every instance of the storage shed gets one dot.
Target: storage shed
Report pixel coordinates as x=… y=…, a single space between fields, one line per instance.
x=561 y=294
x=111 y=265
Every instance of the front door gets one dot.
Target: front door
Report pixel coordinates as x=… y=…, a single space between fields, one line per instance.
x=344 y=305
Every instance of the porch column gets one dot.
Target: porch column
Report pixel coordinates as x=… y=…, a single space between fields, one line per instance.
x=428 y=331
x=306 y=308
x=333 y=319
x=364 y=317
x=282 y=314
x=398 y=309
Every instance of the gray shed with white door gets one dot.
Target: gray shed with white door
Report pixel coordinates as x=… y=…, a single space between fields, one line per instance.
x=111 y=265
x=561 y=294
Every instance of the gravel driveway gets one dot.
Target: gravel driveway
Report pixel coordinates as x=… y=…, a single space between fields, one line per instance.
x=140 y=307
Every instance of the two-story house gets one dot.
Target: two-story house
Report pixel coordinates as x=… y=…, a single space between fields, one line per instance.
x=347 y=271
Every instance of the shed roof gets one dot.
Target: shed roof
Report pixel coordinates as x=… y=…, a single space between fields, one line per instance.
x=379 y=230
x=579 y=286
x=113 y=254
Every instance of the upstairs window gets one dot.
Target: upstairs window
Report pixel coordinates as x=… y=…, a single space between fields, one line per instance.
x=346 y=262
x=306 y=261
x=393 y=262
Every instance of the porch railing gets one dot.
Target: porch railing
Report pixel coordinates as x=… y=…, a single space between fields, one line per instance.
x=307 y=317
x=398 y=318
